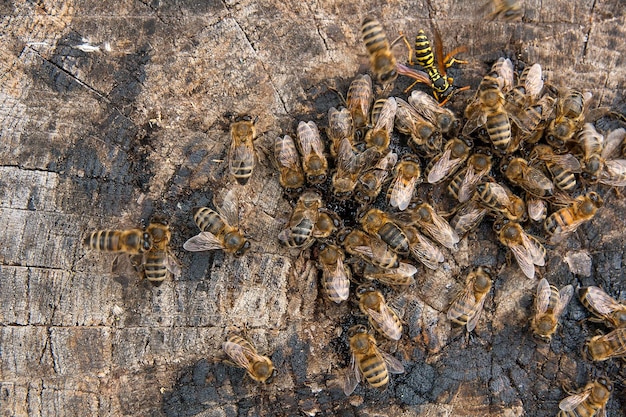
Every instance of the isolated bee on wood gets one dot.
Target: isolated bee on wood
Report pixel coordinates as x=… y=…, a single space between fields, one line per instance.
x=466 y=308
x=241 y=156
x=244 y=355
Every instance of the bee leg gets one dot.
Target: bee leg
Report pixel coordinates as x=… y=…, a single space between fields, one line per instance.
x=343 y=99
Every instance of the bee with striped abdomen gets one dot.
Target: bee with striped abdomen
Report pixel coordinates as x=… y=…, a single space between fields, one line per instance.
x=466 y=308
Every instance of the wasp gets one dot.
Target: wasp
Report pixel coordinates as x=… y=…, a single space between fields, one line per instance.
x=435 y=65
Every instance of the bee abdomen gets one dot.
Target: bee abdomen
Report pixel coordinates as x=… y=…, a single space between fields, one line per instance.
x=393 y=236
x=208 y=220
x=375 y=371
x=154 y=266
x=373 y=35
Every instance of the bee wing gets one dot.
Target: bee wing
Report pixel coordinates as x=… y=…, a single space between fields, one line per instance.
x=600 y=301
x=441 y=231
x=524 y=259
x=505 y=74
x=386 y=319
x=616 y=339
x=565 y=294
x=468 y=185
x=287 y=155
x=612 y=142
x=591 y=141
x=568 y=162
x=536 y=208
x=339 y=281
x=614 y=173
x=353 y=377
x=426 y=105
x=475 y=314
x=535 y=249
x=402 y=275
x=387 y=115
x=387 y=162
x=534 y=81
x=238 y=354
x=442 y=167
x=228 y=210
x=241 y=155
x=536 y=181
x=476 y=118
x=172 y=264
x=426 y=252
x=402 y=192
x=394 y=366
x=570 y=403
x=203 y=241
x=542 y=298
x=309 y=138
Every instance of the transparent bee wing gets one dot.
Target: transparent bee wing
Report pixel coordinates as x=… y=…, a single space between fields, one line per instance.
x=352 y=378
x=568 y=162
x=600 y=301
x=534 y=81
x=612 y=142
x=570 y=403
x=394 y=366
x=402 y=192
x=524 y=260
x=441 y=231
x=387 y=115
x=228 y=210
x=535 y=250
x=475 y=314
x=616 y=339
x=542 y=298
x=339 y=281
x=536 y=208
x=475 y=119
x=426 y=252
x=442 y=167
x=203 y=241
x=386 y=320
x=536 y=182
x=241 y=155
x=125 y=264
x=565 y=294
x=238 y=354
x=458 y=307
x=287 y=155
x=172 y=264
x=614 y=173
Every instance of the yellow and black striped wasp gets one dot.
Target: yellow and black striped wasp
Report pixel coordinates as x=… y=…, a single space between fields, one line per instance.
x=435 y=64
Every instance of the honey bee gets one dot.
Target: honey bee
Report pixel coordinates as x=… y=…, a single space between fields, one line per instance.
x=597 y=155
x=501 y=201
x=371 y=181
x=288 y=163
x=522 y=174
x=561 y=167
x=359 y=101
x=441 y=117
x=468 y=217
x=370 y=248
x=340 y=127
x=241 y=155
x=528 y=251
x=590 y=402
x=502 y=71
x=423 y=249
x=526 y=91
x=406 y=177
x=368 y=362
x=466 y=308
x=130 y=241
x=426 y=218
x=312 y=149
x=487 y=109
x=299 y=231
x=378 y=223
x=218 y=229
x=425 y=137
x=549 y=305
x=508 y=10
x=464 y=183
x=444 y=165
x=570 y=115
x=349 y=167
x=335 y=274
x=159 y=259
x=603 y=306
x=244 y=355
x=610 y=345
x=567 y=219
x=537 y=208
x=402 y=275
x=382 y=60
x=381 y=317
x=379 y=136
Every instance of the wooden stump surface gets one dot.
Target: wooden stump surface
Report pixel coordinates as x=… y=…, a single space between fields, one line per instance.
x=113 y=111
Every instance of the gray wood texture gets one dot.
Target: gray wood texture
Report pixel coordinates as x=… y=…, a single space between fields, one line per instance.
x=113 y=111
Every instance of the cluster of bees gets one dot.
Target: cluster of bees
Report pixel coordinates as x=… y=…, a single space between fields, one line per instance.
x=360 y=210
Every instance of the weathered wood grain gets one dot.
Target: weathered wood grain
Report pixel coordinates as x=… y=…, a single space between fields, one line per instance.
x=113 y=111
